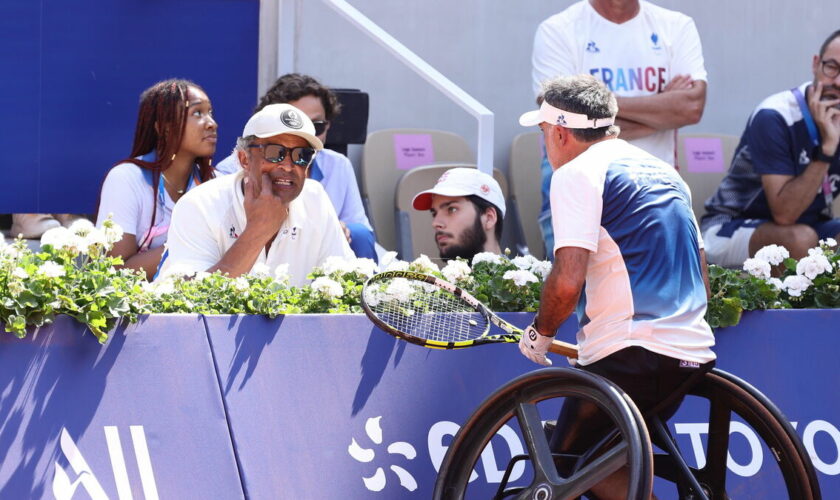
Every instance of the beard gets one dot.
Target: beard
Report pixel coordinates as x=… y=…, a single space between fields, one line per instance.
x=471 y=242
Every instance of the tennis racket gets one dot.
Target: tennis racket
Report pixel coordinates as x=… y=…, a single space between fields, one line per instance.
x=434 y=313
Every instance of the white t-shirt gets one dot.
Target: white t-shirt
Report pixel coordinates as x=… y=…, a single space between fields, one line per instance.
x=636 y=58
x=128 y=196
x=644 y=283
x=208 y=219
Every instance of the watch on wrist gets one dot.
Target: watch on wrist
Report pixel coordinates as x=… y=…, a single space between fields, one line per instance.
x=819 y=155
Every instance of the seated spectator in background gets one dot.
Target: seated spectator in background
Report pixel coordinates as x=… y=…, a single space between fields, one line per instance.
x=468 y=209
x=333 y=170
x=785 y=173
x=648 y=56
x=269 y=213
x=174 y=142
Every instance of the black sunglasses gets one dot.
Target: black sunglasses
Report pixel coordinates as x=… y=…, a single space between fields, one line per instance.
x=276 y=153
x=320 y=126
x=830 y=69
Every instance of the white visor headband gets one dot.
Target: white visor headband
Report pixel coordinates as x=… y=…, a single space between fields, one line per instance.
x=556 y=116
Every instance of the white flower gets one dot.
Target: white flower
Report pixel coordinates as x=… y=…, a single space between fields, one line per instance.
x=372 y=297
x=180 y=270
x=327 y=287
x=757 y=267
x=20 y=273
x=795 y=285
x=774 y=254
x=829 y=242
x=490 y=257
x=51 y=269
x=336 y=265
x=113 y=231
x=95 y=238
x=520 y=277
x=387 y=259
x=813 y=265
x=364 y=266
x=776 y=282
x=260 y=270
x=56 y=237
x=163 y=287
x=397 y=265
x=281 y=272
x=11 y=251
x=399 y=289
x=456 y=270
x=424 y=264
x=202 y=275
x=81 y=227
x=525 y=262
x=240 y=284
x=541 y=268
x=815 y=251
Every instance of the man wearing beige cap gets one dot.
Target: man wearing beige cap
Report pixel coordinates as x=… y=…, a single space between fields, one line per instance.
x=269 y=213
x=467 y=208
x=623 y=225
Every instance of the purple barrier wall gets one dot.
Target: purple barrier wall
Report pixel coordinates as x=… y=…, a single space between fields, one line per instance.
x=140 y=417
x=327 y=406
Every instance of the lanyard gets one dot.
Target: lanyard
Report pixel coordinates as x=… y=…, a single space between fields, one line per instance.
x=815 y=140
x=161 y=229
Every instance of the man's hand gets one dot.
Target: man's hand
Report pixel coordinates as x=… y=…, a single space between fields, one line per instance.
x=679 y=82
x=827 y=118
x=346 y=232
x=533 y=345
x=264 y=211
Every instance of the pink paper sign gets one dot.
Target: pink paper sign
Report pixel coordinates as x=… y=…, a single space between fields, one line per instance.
x=411 y=150
x=704 y=154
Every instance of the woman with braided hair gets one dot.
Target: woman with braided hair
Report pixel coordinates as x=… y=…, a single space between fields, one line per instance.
x=174 y=142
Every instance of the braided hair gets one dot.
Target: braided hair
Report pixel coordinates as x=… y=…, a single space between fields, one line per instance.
x=161 y=121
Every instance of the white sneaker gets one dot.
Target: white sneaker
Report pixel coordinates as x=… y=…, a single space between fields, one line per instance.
x=32 y=226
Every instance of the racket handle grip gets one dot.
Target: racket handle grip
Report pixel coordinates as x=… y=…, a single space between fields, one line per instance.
x=564 y=349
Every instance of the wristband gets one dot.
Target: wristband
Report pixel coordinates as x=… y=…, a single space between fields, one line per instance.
x=819 y=155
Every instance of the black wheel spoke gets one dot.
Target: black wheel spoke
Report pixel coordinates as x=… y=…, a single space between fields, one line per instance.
x=593 y=473
x=535 y=440
x=714 y=472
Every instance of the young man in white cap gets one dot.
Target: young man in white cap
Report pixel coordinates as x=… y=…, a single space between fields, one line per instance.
x=623 y=225
x=269 y=213
x=467 y=208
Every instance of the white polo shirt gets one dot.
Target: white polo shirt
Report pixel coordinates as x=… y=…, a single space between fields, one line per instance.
x=207 y=221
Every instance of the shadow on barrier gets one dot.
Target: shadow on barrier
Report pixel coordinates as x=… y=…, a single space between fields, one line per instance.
x=374 y=361
x=57 y=379
x=249 y=345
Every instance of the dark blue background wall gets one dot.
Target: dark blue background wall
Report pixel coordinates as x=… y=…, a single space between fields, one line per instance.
x=71 y=74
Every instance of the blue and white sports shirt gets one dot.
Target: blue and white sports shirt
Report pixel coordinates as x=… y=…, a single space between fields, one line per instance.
x=644 y=285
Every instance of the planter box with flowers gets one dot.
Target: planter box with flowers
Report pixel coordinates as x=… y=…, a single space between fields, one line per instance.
x=72 y=274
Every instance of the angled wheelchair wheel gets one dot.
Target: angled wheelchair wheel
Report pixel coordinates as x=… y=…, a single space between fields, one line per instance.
x=517 y=400
x=787 y=467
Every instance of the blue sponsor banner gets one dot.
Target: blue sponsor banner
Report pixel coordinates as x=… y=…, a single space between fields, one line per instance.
x=140 y=417
x=330 y=407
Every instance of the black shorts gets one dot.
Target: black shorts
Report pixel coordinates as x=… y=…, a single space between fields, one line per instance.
x=647 y=377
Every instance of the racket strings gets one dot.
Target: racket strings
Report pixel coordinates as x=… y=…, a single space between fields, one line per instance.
x=427 y=312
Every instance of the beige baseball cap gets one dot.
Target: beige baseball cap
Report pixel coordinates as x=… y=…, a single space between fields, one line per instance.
x=276 y=119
